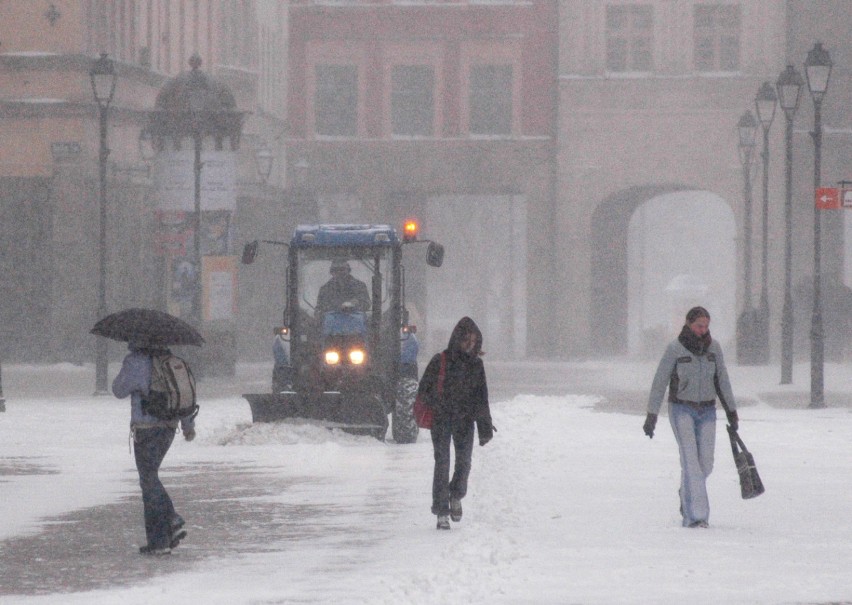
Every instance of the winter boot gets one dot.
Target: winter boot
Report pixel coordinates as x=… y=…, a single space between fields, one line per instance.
x=155 y=552
x=443 y=522
x=455 y=509
x=178 y=533
x=176 y=538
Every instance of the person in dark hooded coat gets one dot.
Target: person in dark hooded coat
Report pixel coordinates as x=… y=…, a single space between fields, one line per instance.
x=461 y=404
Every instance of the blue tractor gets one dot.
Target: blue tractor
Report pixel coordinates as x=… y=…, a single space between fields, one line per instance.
x=345 y=354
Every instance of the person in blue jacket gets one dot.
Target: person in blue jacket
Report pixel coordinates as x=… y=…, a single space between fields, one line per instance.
x=408 y=356
x=152 y=438
x=693 y=369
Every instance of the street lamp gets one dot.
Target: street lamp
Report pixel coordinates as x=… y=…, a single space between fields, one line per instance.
x=102 y=76
x=264 y=158
x=746 y=326
x=818 y=72
x=197 y=87
x=789 y=87
x=764 y=104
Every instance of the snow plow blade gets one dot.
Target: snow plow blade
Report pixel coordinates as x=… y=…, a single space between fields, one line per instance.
x=357 y=415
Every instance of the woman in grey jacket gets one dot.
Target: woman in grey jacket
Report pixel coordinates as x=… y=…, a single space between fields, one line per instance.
x=693 y=370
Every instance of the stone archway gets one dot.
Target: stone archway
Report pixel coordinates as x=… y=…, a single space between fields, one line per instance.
x=681 y=253
x=608 y=311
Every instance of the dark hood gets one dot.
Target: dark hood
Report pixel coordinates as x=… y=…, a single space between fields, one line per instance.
x=465 y=326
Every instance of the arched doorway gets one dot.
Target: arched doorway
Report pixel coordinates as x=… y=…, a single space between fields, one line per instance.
x=681 y=253
x=689 y=243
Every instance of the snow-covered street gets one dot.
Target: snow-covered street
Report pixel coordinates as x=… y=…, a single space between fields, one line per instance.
x=570 y=503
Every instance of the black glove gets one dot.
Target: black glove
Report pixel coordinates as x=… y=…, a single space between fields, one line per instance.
x=486 y=431
x=733 y=419
x=650 y=424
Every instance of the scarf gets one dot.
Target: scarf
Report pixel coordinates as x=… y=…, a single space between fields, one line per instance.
x=697 y=345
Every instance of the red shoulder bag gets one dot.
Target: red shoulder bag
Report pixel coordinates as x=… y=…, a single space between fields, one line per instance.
x=422 y=410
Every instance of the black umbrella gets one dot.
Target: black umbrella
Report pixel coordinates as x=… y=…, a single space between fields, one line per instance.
x=147 y=327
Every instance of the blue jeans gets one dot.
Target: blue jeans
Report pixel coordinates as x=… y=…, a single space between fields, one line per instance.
x=149 y=448
x=461 y=432
x=695 y=431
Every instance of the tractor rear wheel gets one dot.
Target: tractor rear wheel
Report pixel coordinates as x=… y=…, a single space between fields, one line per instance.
x=405 y=428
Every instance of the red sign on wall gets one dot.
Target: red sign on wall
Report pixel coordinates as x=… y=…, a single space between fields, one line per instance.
x=827 y=198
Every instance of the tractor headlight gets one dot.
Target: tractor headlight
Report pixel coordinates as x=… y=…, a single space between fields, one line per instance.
x=332 y=357
x=356 y=357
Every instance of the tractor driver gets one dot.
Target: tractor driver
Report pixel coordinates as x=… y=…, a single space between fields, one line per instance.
x=342 y=288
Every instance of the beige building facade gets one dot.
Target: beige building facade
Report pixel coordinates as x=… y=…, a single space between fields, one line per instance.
x=650 y=94
x=647 y=100
x=49 y=149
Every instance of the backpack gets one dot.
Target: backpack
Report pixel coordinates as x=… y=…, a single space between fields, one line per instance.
x=172 y=392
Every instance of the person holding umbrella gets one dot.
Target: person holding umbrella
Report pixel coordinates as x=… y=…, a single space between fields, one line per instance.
x=152 y=438
x=148 y=334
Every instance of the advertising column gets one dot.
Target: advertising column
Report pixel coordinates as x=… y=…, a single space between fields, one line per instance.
x=175 y=223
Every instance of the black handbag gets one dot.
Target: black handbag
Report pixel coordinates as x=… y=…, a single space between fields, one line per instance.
x=750 y=484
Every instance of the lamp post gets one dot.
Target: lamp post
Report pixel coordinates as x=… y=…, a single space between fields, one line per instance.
x=102 y=76
x=196 y=107
x=818 y=72
x=764 y=104
x=789 y=86
x=746 y=326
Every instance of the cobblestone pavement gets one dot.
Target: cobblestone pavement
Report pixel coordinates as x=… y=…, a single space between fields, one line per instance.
x=97 y=548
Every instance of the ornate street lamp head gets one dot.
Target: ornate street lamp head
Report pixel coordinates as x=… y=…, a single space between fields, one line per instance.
x=818 y=71
x=102 y=76
x=765 y=103
x=789 y=87
x=195 y=105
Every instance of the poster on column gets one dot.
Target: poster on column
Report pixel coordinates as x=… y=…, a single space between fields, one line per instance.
x=181 y=278
x=219 y=287
x=174 y=173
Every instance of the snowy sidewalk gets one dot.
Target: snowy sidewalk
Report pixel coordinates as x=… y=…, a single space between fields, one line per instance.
x=569 y=504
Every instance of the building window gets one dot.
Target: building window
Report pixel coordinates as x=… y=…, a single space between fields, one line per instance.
x=336 y=101
x=412 y=100
x=629 y=37
x=491 y=100
x=717 y=37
